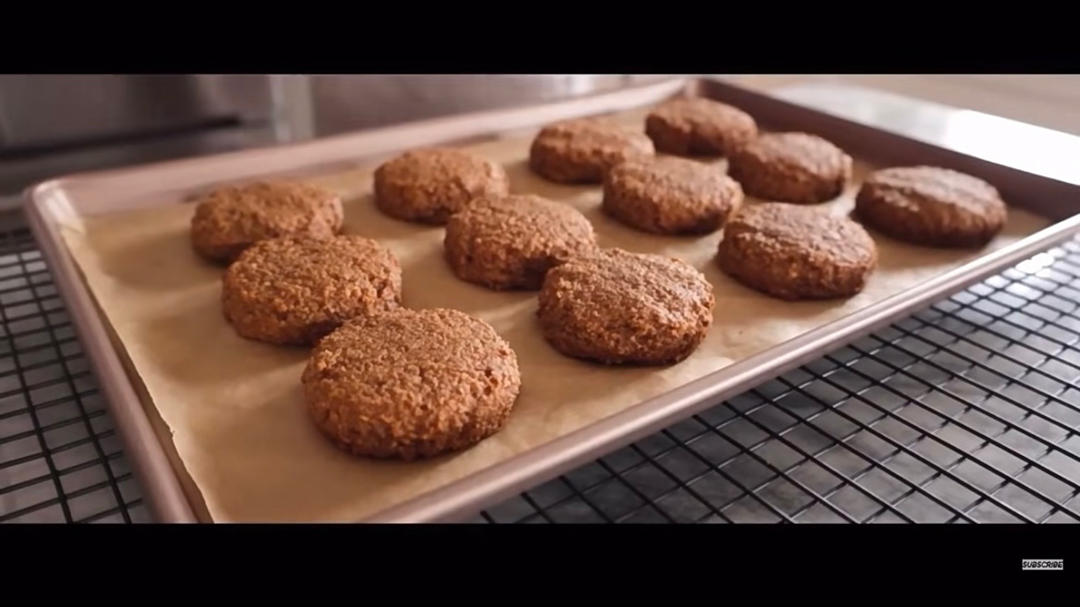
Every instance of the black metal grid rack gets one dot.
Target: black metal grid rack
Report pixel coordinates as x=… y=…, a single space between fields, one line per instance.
x=968 y=411
x=60 y=458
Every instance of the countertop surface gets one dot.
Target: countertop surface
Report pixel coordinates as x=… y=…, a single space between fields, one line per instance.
x=1051 y=101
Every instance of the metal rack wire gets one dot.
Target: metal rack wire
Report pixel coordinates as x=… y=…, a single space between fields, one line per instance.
x=965 y=412
x=60 y=458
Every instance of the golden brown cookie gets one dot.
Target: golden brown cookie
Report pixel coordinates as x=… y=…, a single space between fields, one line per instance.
x=232 y=218
x=670 y=195
x=620 y=307
x=795 y=252
x=791 y=167
x=510 y=242
x=581 y=151
x=428 y=185
x=411 y=383
x=293 y=291
x=931 y=206
x=698 y=126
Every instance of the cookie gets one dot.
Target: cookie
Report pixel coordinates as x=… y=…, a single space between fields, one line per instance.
x=620 y=307
x=794 y=252
x=670 y=195
x=791 y=167
x=411 y=383
x=699 y=126
x=293 y=291
x=931 y=206
x=429 y=185
x=581 y=151
x=232 y=218
x=510 y=242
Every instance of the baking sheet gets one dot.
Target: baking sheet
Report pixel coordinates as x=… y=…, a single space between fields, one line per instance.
x=234 y=407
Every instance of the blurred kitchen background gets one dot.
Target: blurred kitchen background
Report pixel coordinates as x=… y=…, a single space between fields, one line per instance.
x=51 y=125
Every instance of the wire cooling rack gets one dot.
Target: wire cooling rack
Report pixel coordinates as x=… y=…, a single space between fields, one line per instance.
x=966 y=412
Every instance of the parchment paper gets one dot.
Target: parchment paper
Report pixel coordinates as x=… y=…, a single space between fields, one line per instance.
x=234 y=406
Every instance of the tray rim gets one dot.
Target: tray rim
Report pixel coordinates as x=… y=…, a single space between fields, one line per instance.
x=162 y=485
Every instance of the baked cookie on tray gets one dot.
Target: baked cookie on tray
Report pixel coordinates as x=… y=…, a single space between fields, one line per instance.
x=293 y=291
x=698 y=125
x=791 y=167
x=795 y=252
x=231 y=218
x=510 y=242
x=931 y=206
x=617 y=307
x=670 y=195
x=581 y=151
x=409 y=384
x=430 y=184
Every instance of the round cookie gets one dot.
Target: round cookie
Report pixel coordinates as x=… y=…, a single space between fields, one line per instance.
x=293 y=291
x=931 y=206
x=411 y=383
x=232 y=218
x=791 y=167
x=510 y=242
x=428 y=185
x=699 y=126
x=794 y=252
x=581 y=151
x=620 y=307
x=670 y=195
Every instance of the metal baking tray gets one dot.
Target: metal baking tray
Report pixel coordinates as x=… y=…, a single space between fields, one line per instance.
x=1025 y=162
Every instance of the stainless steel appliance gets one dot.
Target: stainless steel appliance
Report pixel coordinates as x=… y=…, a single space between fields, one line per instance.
x=349 y=103
x=57 y=124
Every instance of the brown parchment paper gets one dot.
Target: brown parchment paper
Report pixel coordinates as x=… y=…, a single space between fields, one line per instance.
x=234 y=407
